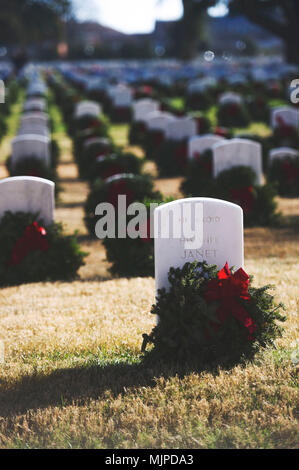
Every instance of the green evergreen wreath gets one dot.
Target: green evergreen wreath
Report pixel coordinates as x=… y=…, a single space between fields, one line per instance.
x=33 y=166
x=198 y=174
x=199 y=100
x=237 y=185
x=109 y=165
x=284 y=173
x=258 y=108
x=212 y=317
x=171 y=158
x=99 y=124
x=232 y=115
x=60 y=261
x=133 y=257
x=135 y=187
x=137 y=133
x=86 y=156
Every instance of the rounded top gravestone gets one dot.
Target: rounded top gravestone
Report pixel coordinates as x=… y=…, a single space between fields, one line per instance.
x=29 y=145
x=201 y=143
x=28 y=194
x=285 y=115
x=197 y=229
x=142 y=108
x=181 y=128
x=283 y=152
x=238 y=152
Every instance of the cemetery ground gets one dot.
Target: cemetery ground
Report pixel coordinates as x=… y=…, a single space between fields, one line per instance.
x=73 y=375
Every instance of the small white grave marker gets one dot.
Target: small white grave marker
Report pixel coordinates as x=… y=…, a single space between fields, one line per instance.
x=28 y=194
x=216 y=227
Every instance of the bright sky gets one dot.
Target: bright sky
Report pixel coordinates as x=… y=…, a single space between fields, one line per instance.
x=135 y=16
x=128 y=16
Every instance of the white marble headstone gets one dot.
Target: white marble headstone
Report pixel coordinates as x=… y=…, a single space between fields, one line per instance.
x=286 y=115
x=30 y=145
x=87 y=108
x=230 y=97
x=282 y=152
x=94 y=140
x=34 y=118
x=217 y=227
x=28 y=194
x=238 y=152
x=142 y=108
x=201 y=143
x=39 y=129
x=36 y=104
x=2 y=92
x=122 y=97
x=181 y=128
x=158 y=121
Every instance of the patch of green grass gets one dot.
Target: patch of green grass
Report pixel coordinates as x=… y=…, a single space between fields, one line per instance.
x=256 y=128
x=120 y=134
x=12 y=122
x=177 y=102
x=58 y=125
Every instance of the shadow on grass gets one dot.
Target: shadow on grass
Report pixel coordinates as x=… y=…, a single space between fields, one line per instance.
x=69 y=205
x=290 y=222
x=65 y=386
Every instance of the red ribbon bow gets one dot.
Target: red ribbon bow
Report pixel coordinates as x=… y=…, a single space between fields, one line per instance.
x=233 y=109
x=119 y=188
x=34 y=172
x=291 y=172
x=34 y=239
x=284 y=129
x=110 y=171
x=228 y=289
x=244 y=197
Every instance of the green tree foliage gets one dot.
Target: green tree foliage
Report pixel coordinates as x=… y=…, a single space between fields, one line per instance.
x=26 y=21
x=280 y=17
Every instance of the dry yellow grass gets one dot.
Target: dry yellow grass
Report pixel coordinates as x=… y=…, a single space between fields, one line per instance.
x=72 y=375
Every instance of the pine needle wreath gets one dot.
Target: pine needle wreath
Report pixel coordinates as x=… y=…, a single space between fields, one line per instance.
x=109 y=165
x=33 y=166
x=195 y=326
x=237 y=185
x=135 y=187
x=284 y=173
x=232 y=115
x=60 y=261
x=133 y=257
x=86 y=156
x=171 y=158
x=137 y=133
x=200 y=100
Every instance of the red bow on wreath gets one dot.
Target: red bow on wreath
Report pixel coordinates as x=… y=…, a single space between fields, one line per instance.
x=34 y=239
x=233 y=109
x=284 y=129
x=228 y=289
x=34 y=172
x=111 y=171
x=118 y=188
x=221 y=132
x=290 y=171
x=244 y=197
x=94 y=123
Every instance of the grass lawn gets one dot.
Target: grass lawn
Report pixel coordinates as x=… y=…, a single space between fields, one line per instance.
x=73 y=375
x=12 y=121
